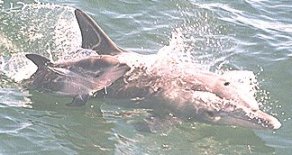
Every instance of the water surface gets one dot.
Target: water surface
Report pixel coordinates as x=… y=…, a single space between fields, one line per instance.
x=245 y=35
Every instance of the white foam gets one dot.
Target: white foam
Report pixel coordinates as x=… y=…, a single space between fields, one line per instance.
x=18 y=67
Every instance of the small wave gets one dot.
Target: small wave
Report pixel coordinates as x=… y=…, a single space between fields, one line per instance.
x=14 y=97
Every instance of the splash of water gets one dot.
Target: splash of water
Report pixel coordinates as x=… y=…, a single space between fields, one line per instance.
x=49 y=30
x=180 y=57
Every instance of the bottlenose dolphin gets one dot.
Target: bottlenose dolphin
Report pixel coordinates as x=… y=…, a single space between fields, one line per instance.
x=199 y=95
x=77 y=78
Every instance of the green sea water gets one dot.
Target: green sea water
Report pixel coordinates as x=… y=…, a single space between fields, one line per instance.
x=245 y=35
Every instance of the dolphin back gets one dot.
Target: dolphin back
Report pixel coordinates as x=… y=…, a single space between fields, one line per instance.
x=93 y=37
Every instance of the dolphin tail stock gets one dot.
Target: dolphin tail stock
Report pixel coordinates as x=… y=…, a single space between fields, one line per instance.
x=93 y=37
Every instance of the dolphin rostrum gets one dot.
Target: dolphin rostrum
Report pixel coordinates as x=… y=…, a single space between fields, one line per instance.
x=196 y=95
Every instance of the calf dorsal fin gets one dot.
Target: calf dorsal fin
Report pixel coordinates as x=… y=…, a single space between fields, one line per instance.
x=39 y=60
x=93 y=37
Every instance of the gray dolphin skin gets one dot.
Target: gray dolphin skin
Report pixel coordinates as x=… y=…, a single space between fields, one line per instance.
x=197 y=96
x=80 y=79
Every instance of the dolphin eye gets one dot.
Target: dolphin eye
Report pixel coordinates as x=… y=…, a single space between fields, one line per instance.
x=254 y=110
x=226 y=83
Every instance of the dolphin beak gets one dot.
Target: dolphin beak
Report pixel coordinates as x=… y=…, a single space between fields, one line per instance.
x=252 y=119
x=265 y=120
x=212 y=109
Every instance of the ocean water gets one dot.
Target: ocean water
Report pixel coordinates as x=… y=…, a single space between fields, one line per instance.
x=244 y=35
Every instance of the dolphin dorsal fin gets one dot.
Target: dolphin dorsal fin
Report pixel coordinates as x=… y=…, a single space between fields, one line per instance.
x=38 y=60
x=93 y=37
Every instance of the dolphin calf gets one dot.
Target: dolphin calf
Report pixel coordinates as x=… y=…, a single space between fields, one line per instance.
x=196 y=95
x=77 y=78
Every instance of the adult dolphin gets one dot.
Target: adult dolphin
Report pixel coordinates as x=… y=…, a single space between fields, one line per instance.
x=199 y=95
